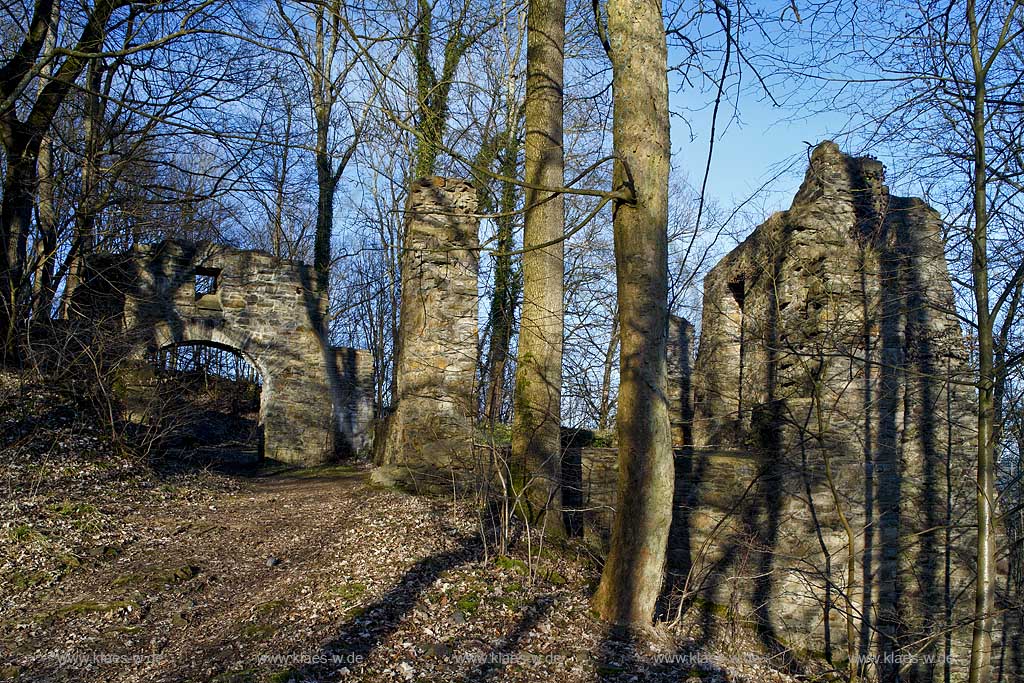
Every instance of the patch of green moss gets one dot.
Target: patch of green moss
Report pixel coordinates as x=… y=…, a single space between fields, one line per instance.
x=468 y=603
x=69 y=509
x=499 y=434
x=90 y=606
x=68 y=561
x=24 y=533
x=10 y=673
x=271 y=607
x=284 y=676
x=24 y=580
x=177 y=574
x=160 y=576
x=327 y=472
x=104 y=552
x=513 y=602
x=510 y=563
x=712 y=607
x=126 y=580
x=348 y=591
x=554 y=577
x=258 y=631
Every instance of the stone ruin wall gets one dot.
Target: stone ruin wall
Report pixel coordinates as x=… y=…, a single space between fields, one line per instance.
x=428 y=442
x=842 y=303
x=316 y=400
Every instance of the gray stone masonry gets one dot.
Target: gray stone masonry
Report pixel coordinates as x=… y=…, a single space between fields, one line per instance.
x=316 y=401
x=429 y=435
x=831 y=381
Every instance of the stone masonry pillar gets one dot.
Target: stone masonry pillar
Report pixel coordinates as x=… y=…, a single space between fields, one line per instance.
x=680 y=346
x=428 y=438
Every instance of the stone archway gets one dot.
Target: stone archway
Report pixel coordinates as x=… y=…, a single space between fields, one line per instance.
x=316 y=398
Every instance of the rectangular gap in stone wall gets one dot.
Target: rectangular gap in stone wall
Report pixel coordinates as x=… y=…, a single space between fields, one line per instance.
x=206 y=281
x=738 y=290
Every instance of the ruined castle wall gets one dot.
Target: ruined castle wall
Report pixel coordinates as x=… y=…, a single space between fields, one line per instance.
x=680 y=390
x=831 y=389
x=268 y=310
x=832 y=380
x=353 y=400
x=429 y=435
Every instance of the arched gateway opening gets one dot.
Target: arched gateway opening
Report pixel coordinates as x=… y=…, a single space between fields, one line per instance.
x=217 y=391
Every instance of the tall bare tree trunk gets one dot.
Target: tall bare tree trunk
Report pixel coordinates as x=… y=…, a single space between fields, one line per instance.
x=327 y=183
x=536 y=434
x=46 y=211
x=326 y=180
x=981 y=638
x=635 y=565
x=88 y=201
x=281 y=181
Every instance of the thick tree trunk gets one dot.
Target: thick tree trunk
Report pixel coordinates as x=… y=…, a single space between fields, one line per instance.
x=634 y=568
x=536 y=434
x=326 y=184
x=15 y=223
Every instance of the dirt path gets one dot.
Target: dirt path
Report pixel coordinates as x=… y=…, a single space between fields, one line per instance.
x=224 y=585
x=298 y=577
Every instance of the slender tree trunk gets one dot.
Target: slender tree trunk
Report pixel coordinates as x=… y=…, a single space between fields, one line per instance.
x=88 y=201
x=605 y=408
x=46 y=213
x=536 y=434
x=326 y=184
x=634 y=568
x=506 y=289
x=981 y=639
x=277 y=236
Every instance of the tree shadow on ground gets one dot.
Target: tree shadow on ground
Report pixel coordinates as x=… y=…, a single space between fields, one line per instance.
x=359 y=637
x=506 y=649
x=624 y=655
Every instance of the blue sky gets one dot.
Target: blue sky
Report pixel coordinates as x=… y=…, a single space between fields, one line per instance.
x=762 y=146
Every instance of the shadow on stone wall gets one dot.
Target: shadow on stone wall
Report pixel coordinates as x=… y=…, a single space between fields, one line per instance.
x=831 y=385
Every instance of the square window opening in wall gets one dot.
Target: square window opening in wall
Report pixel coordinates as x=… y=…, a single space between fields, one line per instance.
x=206 y=281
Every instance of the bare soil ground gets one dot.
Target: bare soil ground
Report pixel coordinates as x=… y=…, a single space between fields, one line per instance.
x=115 y=571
